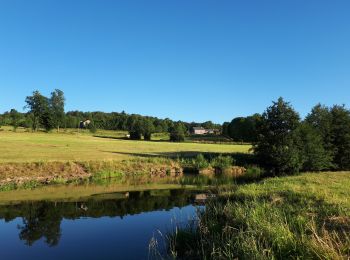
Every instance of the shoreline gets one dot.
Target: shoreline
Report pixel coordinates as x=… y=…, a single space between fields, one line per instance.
x=25 y=175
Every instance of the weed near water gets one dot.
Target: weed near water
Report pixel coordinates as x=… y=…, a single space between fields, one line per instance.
x=278 y=218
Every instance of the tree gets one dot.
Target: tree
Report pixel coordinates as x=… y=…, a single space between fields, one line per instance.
x=340 y=136
x=333 y=124
x=277 y=145
x=47 y=120
x=15 y=118
x=225 y=128
x=38 y=105
x=208 y=125
x=177 y=133
x=320 y=118
x=57 y=107
x=242 y=129
x=147 y=128
x=135 y=128
x=315 y=156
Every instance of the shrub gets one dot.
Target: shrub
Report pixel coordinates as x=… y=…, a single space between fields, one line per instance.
x=252 y=173
x=177 y=133
x=222 y=162
x=92 y=128
x=200 y=162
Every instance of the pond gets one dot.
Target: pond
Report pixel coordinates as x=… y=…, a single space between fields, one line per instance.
x=108 y=221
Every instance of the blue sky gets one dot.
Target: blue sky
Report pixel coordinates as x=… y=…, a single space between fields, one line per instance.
x=192 y=60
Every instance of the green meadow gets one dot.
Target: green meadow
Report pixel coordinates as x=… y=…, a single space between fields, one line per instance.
x=72 y=145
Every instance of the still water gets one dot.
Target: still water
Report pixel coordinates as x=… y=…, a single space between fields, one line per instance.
x=113 y=225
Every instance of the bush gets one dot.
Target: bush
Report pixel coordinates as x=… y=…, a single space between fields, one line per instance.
x=177 y=133
x=135 y=135
x=92 y=128
x=200 y=162
x=177 y=137
x=222 y=162
x=252 y=173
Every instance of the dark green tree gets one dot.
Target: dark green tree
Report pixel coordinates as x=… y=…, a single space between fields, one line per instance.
x=277 y=147
x=16 y=118
x=135 y=128
x=147 y=129
x=177 y=132
x=340 y=136
x=225 y=128
x=38 y=106
x=47 y=120
x=57 y=107
x=208 y=125
x=315 y=156
x=320 y=118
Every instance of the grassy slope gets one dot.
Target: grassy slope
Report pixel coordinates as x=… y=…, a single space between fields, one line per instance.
x=29 y=147
x=306 y=217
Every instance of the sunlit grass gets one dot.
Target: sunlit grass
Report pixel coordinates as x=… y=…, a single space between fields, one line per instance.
x=299 y=217
x=28 y=147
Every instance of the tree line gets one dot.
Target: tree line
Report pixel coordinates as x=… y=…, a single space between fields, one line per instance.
x=285 y=144
x=49 y=113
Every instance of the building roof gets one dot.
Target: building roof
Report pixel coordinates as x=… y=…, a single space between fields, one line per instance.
x=198 y=128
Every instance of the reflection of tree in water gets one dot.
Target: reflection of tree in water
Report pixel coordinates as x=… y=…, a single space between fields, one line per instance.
x=43 y=219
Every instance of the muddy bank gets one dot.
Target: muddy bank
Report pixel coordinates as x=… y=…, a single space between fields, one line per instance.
x=234 y=171
x=14 y=175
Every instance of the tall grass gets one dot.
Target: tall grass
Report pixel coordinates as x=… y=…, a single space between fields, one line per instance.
x=261 y=221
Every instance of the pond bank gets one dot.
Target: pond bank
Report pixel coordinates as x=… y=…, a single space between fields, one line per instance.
x=32 y=174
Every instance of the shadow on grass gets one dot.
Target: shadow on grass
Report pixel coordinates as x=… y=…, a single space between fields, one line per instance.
x=241 y=159
x=126 y=138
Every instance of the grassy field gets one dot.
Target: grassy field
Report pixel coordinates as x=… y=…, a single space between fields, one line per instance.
x=83 y=146
x=299 y=217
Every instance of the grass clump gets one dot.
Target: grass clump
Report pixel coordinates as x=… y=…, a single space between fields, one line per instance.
x=251 y=174
x=199 y=162
x=8 y=187
x=32 y=184
x=222 y=162
x=283 y=218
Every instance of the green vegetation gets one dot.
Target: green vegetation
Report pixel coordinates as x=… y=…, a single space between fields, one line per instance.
x=48 y=113
x=82 y=146
x=287 y=145
x=210 y=138
x=299 y=217
x=31 y=159
x=222 y=162
x=242 y=129
x=177 y=133
x=200 y=163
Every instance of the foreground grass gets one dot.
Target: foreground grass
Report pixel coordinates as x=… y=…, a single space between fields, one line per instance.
x=73 y=146
x=300 y=217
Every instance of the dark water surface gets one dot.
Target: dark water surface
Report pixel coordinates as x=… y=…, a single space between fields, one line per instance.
x=117 y=225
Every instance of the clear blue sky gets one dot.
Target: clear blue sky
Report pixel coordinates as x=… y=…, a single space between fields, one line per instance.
x=188 y=60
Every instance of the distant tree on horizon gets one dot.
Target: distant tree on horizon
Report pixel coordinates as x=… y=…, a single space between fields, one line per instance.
x=57 y=101
x=15 y=118
x=38 y=106
x=177 y=132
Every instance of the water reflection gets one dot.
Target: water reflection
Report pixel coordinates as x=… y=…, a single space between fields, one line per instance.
x=42 y=219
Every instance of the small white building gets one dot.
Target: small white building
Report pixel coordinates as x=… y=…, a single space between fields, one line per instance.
x=199 y=130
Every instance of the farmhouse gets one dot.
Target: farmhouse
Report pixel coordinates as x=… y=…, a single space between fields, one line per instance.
x=199 y=130
x=84 y=124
